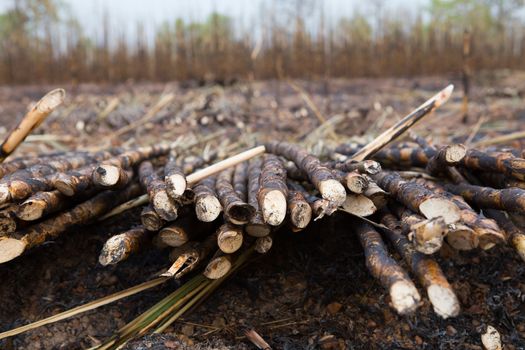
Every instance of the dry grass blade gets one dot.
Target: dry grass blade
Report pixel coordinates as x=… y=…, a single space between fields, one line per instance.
x=172 y=307
x=500 y=139
x=31 y=120
x=86 y=307
x=257 y=340
x=163 y=102
x=404 y=124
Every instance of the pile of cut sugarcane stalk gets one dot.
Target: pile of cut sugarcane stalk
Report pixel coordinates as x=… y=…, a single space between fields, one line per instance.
x=413 y=194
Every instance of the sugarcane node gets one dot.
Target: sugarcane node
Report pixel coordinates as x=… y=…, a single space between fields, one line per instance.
x=263 y=244
x=356 y=182
x=63 y=183
x=10 y=248
x=300 y=214
x=514 y=234
x=229 y=238
x=5 y=195
x=173 y=235
x=31 y=209
x=455 y=153
x=217 y=267
x=257 y=229
x=427 y=235
x=107 y=175
x=163 y=205
x=273 y=205
x=273 y=191
x=359 y=205
x=207 y=207
x=462 y=237
x=509 y=199
x=114 y=250
x=176 y=184
x=150 y=219
x=333 y=191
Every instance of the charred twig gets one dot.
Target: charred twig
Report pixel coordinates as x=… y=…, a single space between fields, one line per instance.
x=320 y=176
x=439 y=291
x=426 y=234
x=158 y=195
x=503 y=162
x=272 y=190
x=109 y=172
x=418 y=198
x=515 y=234
x=174 y=177
x=16 y=244
x=150 y=219
x=207 y=205
x=256 y=227
x=353 y=181
x=370 y=167
x=445 y=157
x=299 y=211
x=121 y=246
x=31 y=120
x=236 y=210
x=190 y=255
x=404 y=295
x=510 y=199
x=41 y=204
x=488 y=234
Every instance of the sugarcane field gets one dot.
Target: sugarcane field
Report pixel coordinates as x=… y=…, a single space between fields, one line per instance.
x=262 y=175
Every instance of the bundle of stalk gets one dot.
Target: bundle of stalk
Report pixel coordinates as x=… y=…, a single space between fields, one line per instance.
x=485 y=188
x=43 y=195
x=441 y=200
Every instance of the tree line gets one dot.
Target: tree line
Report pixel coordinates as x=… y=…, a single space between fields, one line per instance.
x=42 y=42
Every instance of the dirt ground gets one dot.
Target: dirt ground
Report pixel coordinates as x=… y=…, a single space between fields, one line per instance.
x=312 y=290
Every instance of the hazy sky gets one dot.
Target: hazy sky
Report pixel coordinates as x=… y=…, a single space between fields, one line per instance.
x=126 y=13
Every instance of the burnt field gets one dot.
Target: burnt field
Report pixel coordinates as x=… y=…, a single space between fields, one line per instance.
x=312 y=290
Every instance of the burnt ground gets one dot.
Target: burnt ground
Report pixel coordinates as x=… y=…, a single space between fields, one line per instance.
x=312 y=290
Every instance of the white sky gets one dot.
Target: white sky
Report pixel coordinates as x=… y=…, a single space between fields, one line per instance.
x=125 y=14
